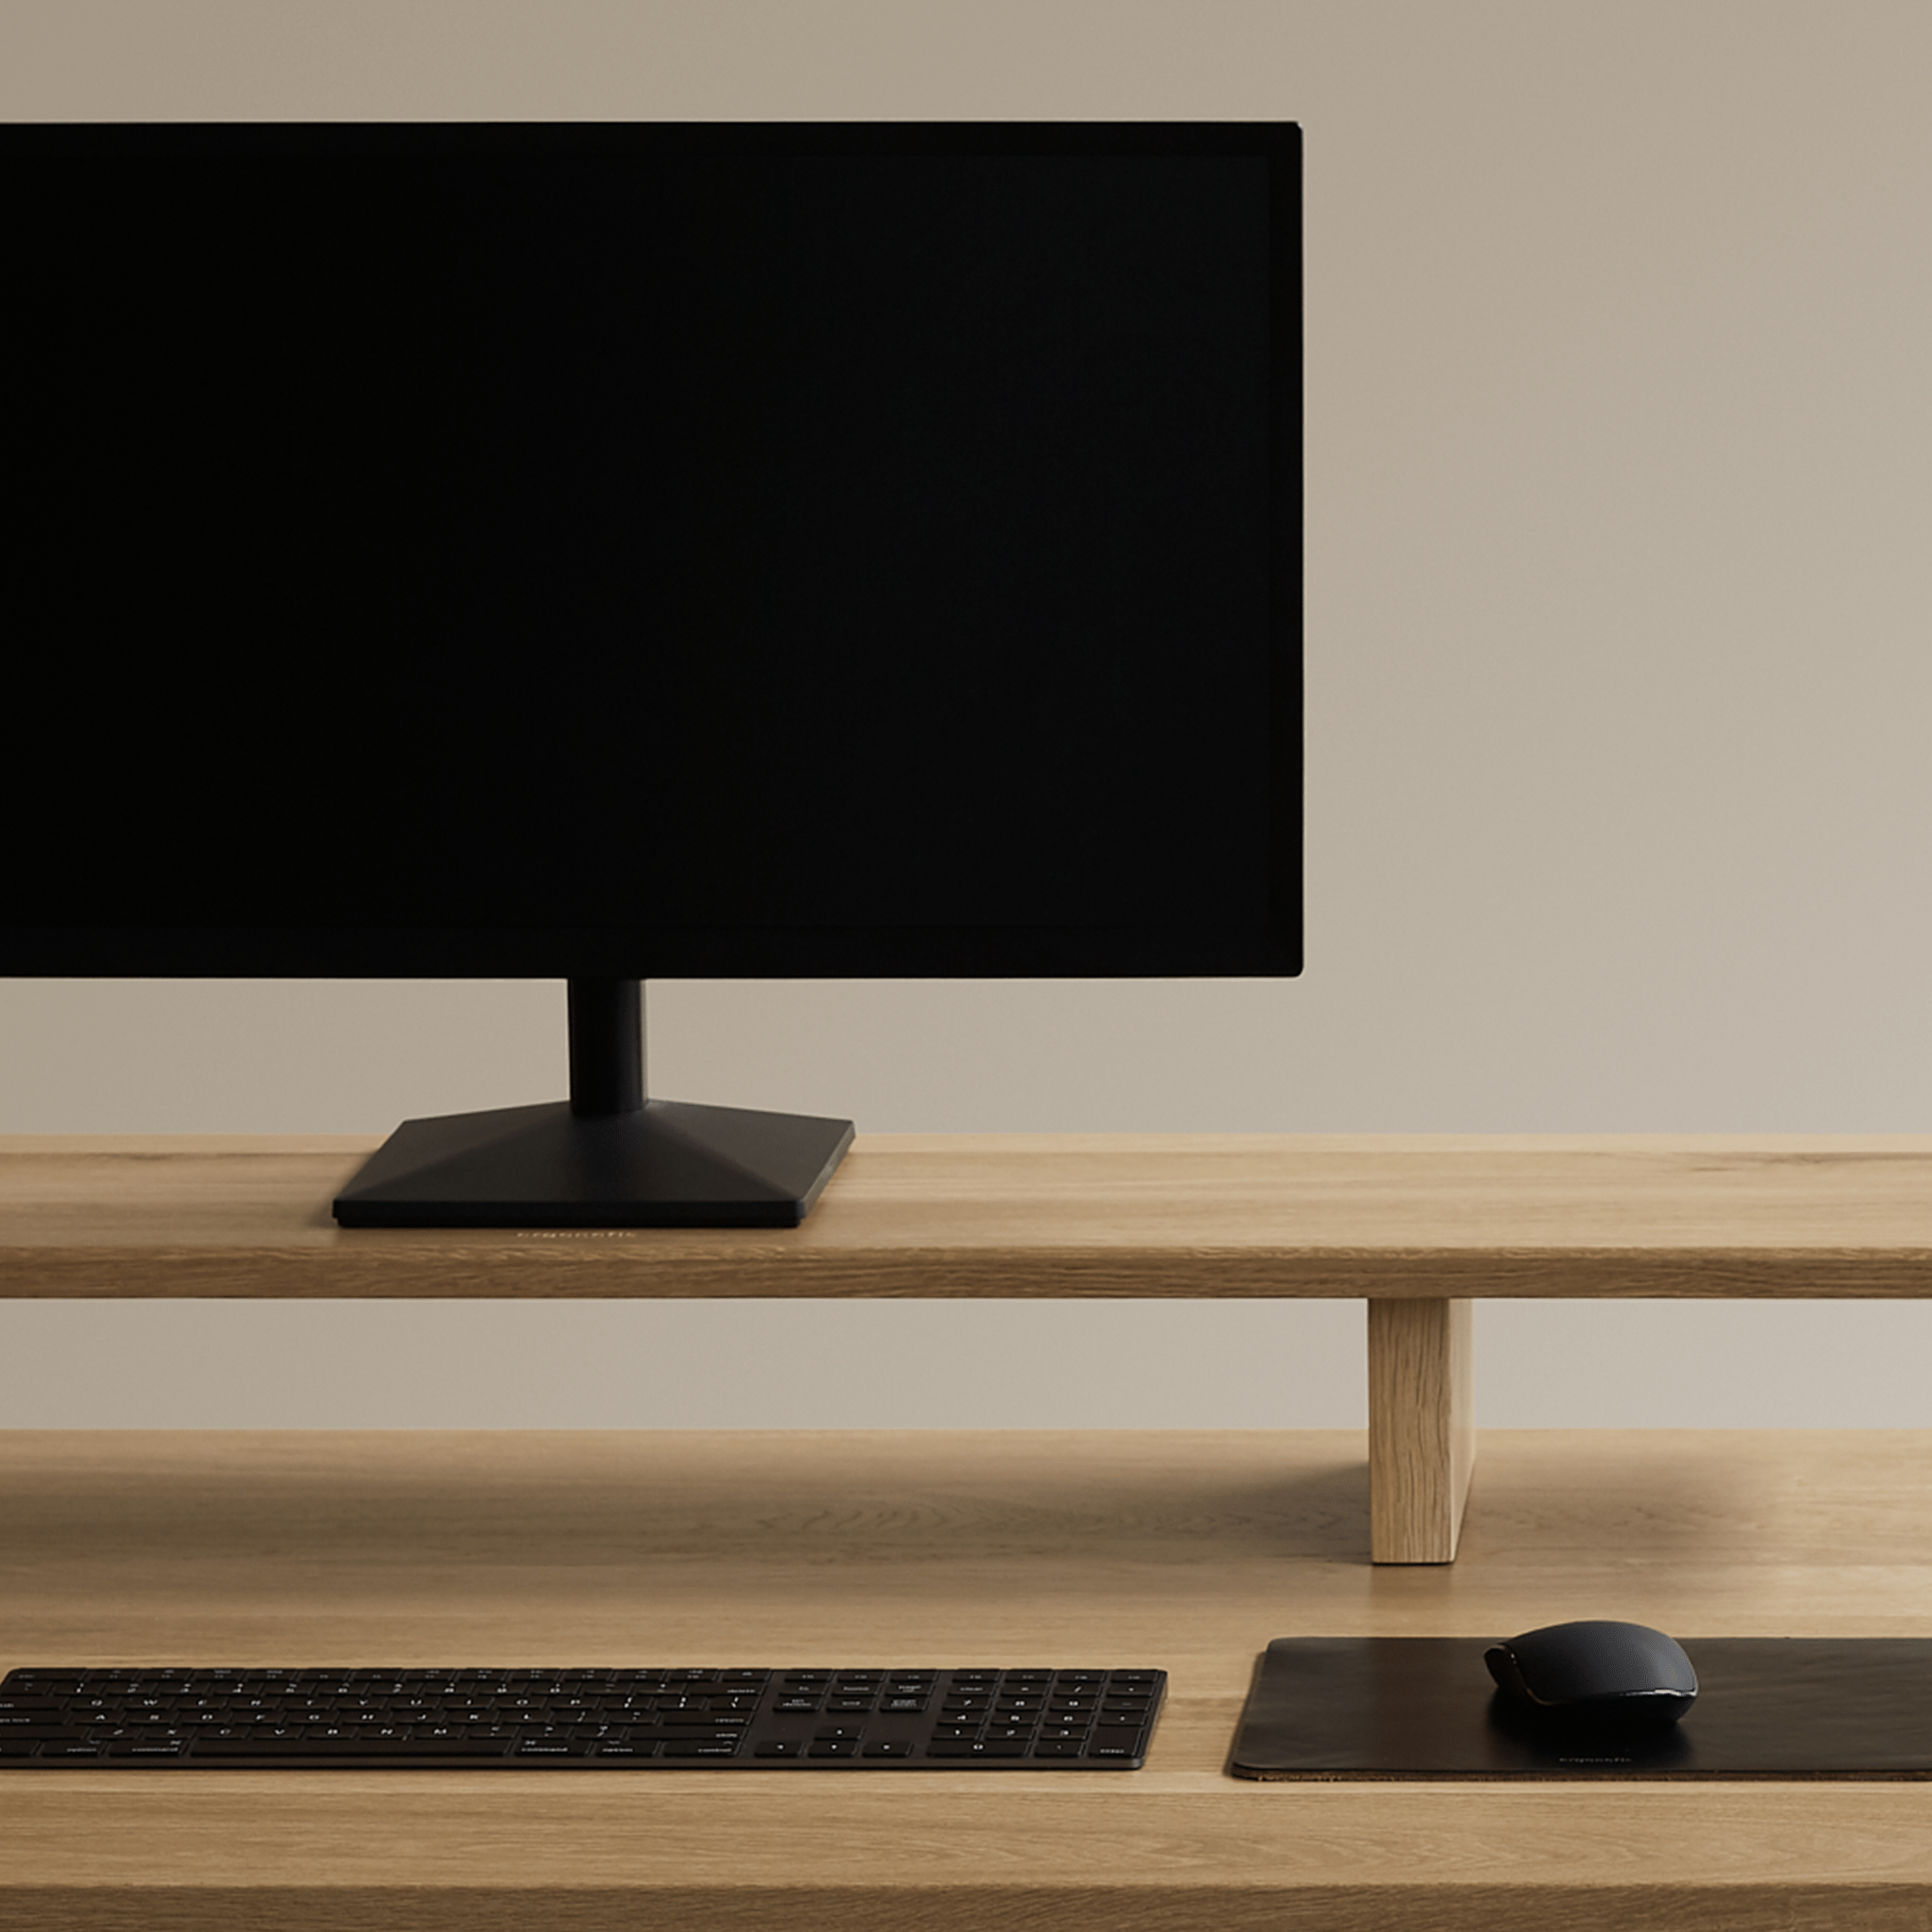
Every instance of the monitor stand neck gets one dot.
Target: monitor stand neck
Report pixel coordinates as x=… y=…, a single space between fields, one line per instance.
x=607 y=1047
x=608 y=1157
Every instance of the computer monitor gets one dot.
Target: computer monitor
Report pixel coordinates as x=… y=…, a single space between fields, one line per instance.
x=606 y=552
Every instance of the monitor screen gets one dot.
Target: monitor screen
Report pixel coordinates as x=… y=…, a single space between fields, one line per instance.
x=612 y=552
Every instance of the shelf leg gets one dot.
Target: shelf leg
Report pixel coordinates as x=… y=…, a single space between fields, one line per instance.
x=1422 y=1442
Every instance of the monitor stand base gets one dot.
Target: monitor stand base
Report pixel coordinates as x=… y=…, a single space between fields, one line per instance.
x=666 y=1163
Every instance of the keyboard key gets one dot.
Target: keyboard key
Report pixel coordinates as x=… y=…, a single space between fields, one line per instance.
x=429 y=1750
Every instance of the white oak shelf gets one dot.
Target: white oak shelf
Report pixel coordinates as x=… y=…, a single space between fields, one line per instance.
x=1418 y=1225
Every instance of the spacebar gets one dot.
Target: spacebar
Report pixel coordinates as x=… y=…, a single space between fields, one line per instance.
x=391 y=1748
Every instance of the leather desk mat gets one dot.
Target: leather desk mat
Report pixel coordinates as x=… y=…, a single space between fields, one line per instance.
x=1339 y=1708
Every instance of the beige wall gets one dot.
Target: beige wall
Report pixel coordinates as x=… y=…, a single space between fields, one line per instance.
x=1620 y=648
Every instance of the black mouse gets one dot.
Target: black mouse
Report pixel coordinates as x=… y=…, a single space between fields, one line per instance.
x=1597 y=1669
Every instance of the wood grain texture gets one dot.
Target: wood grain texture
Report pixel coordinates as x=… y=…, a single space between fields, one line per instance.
x=1376 y=1905
x=1421 y=1428
x=1023 y=1215
x=1185 y=1549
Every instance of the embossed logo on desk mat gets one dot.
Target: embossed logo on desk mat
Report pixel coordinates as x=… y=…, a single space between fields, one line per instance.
x=1425 y=1707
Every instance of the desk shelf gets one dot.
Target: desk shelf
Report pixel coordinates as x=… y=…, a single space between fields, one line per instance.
x=1418 y=1225
x=1071 y=1215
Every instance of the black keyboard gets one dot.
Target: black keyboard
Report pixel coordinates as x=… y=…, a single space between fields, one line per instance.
x=579 y=1719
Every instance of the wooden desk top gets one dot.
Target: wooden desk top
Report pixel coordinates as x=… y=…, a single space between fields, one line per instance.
x=1173 y=1548
x=1013 y=1215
